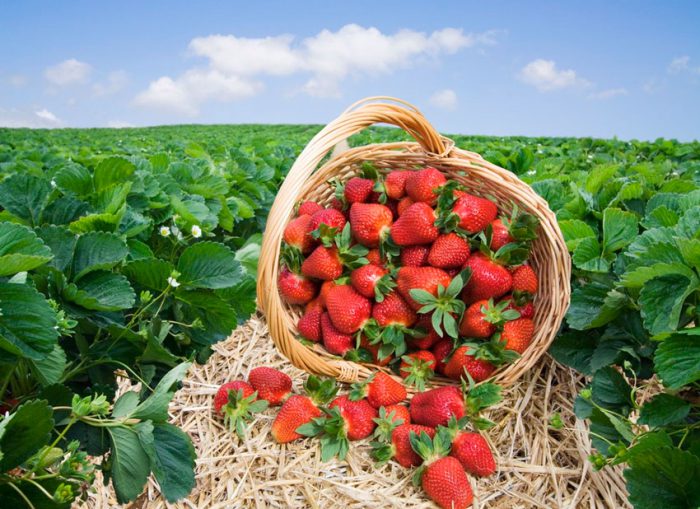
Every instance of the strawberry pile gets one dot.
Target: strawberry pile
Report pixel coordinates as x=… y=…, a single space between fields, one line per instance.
x=409 y=270
x=431 y=432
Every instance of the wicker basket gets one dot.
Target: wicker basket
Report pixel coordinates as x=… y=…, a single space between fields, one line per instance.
x=308 y=181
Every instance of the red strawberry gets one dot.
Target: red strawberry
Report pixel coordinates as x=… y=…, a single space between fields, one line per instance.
x=366 y=280
x=415 y=226
x=323 y=263
x=488 y=279
x=348 y=310
x=414 y=256
x=325 y=288
x=299 y=410
x=358 y=190
x=435 y=407
x=449 y=251
x=335 y=341
x=446 y=483
x=474 y=213
x=500 y=236
x=272 y=385
x=524 y=280
x=527 y=310
x=298 y=234
x=370 y=223
x=473 y=452
x=338 y=205
x=221 y=397
x=395 y=184
x=394 y=310
x=421 y=185
x=403 y=204
x=399 y=412
x=374 y=352
x=441 y=350
x=517 y=334
x=380 y=390
x=461 y=361
x=400 y=447
x=358 y=416
x=417 y=368
x=332 y=218
x=429 y=338
x=309 y=325
x=294 y=288
x=424 y=278
x=309 y=208
x=374 y=257
x=237 y=401
x=475 y=323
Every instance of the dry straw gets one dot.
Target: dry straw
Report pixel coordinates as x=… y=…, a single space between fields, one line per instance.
x=308 y=181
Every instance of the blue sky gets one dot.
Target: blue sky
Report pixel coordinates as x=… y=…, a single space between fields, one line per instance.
x=628 y=68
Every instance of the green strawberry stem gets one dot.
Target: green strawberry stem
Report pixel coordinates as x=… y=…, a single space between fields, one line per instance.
x=419 y=371
x=386 y=423
x=447 y=308
x=333 y=432
x=239 y=410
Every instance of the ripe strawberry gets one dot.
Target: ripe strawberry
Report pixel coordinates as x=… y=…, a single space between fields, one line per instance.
x=399 y=446
x=474 y=213
x=488 y=279
x=473 y=452
x=527 y=310
x=421 y=185
x=323 y=293
x=461 y=361
x=299 y=410
x=309 y=325
x=221 y=397
x=435 y=407
x=309 y=208
x=403 y=204
x=415 y=226
x=414 y=256
x=483 y=317
x=373 y=350
x=374 y=257
x=442 y=350
x=371 y=281
x=417 y=368
x=272 y=385
x=517 y=334
x=395 y=184
x=500 y=236
x=335 y=341
x=358 y=190
x=524 y=281
x=332 y=218
x=423 y=278
x=370 y=223
x=348 y=310
x=323 y=263
x=380 y=390
x=358 y=416
x=338 y=205
x=398 y=412
x=393 y=310
x=295 y=288
x=298 y=234
x=428 y=338
x=449 y=251
x=238 y=402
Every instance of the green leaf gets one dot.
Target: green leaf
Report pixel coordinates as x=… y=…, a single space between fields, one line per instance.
x=619 y=229
x=216 y=314
x=152 y=273
x=690 y=251
x=125 y=404
x=574 y=349
x=660 y=217
x=587 y=256
x=173 y=461
x=155 y=407
x=112 y=170
x=61 y=242
x=96 y=222
x=677 y=359
x=611 y=391
x=638 y=277
x=25 y=196
x=64 y=210
x=130 y=463
x=20 y=249
x=661 y=301
x=662 y=410
x=599 y=176
x=574 y=231
x=664 y=477
x=27 y=322
x=24 y=432
x=101 y=291
x=75 y=179
x=689 y=224
x=209 y=265
x=49 y=370
x=97 y=251
x=591 y=307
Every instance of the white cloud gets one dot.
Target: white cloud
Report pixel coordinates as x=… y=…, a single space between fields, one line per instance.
x=682 y=64
x=444 y=99
x=41 y=118
x=15 y=80
x=116 y=81
x=68 y=72
x=544 y=76
x=119 y=124
x=235 y=65
x=608 y=94
x=45 y=114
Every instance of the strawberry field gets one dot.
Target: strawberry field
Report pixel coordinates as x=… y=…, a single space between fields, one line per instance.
x=129 y=253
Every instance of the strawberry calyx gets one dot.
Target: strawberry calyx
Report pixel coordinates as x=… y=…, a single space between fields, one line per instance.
x=498 y=313
x=320 y=390
x=447 y=308
x=430 y=450
x=389 y=251
x=446 y=219
x=359 y=354
x=478 y=398
x=417 y=371
x=339 y=191
x=513 y=253
x=386 y=423
x=493 y=351
x=391 y=338
x=359 y=390
x=239 y=410
x=333 y=432
x=521 y=225
x=291 y=257
x=384 y=286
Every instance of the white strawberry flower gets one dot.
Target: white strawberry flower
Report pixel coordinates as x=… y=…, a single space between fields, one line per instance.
x=196 y=231
x=173 y=282
x=165 y=231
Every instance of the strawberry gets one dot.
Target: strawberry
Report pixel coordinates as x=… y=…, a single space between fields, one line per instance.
x=380 y=390
x=435 y=407
x=389 y=418
x=527 y=310
x=238 y=402
x=295 y=288
x=399 y=446
x=332 y=218
x=474 y=213
x=299 y=410
x=461 y=362
x=372 y=281
x=309 y=208
x=393 y=310
x=420 y=278
x=323 y=263
x=391 y=321
x=403 y=204
x=428 y=336
x=517 y=334
x=358 y=415
x=524 y=281
x=358 y=190
x=488 y=279
x=272 y=385
x=297 y=234
x=415 y=226
x=442 y=350
x=370 y=223
x=473 y=452
x=337 y=204
x=442 y=477
x=500 y=236
x=374 y=257
x=395 y=184
x=417 y=368
x=309 y=325
x=519 y=227
x=421 y=185
x=449 y=251
x=398 y=412
x=335 y=341
x=414 y=256
x=482 y=317
x=348 y=310
x=323 y=293
x=373 y=350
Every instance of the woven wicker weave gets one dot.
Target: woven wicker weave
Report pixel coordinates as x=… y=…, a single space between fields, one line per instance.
x=308 y=181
